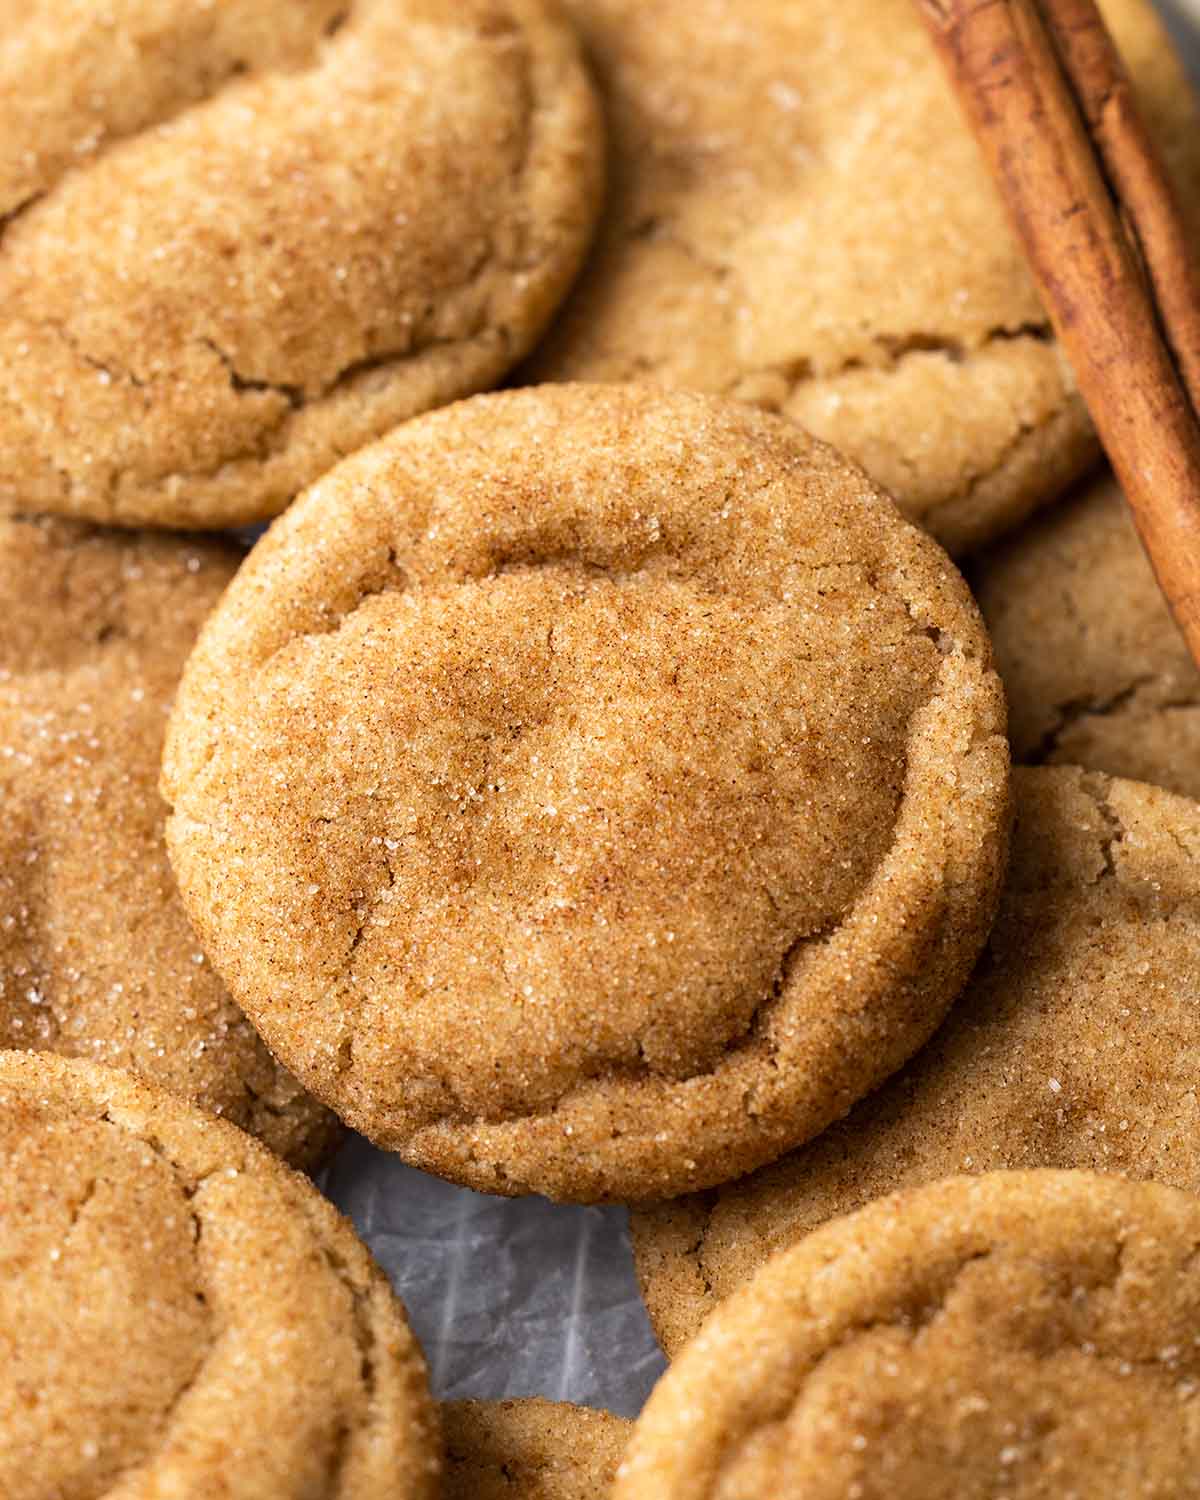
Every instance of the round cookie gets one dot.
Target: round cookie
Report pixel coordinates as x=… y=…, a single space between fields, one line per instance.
x=799 y=217
x=1096 y=671
x=591 y=790
x=1074 y=1045
x=530 y=1450
x=97 y=958
x=1021 y=1334
x=238 y=241
x=180 y=1314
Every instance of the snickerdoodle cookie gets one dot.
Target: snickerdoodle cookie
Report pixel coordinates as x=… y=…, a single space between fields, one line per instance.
x=799 y=217
x=96 y=955
x=1074 y=1045
x=182 y=1315
x=1094 y=666
x=591 y=790
x=239 y=240
x=530 y=1450
x=1020 y=1334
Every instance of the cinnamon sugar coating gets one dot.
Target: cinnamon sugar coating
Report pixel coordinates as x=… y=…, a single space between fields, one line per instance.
x=530 y=1449
x=239 y=240
x=180 y=1314
x=97 y=959
x=1094 y=667
x=799 y=217
x=591 y=790
x=1020 y=1334
x=1074 y=1045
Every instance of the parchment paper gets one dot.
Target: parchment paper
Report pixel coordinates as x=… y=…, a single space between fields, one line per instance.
x=521 y=1297
x=509 y=1296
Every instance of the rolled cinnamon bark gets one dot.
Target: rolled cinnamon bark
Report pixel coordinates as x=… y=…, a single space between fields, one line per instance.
x=1033 y=77
x=1137 y=173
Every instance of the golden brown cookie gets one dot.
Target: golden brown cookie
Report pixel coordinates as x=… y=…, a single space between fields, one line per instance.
x=1096 y=671
x=799 y=217
x=1019 y=1335
x=97 y=958
x=182 y=1315
x=530 y=1450
x=1073 y=1046
x=239 y=240
x=591 y=790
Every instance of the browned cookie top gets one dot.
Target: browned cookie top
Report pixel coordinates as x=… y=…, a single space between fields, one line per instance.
x=182 y=1315
x=1074 y=1045
x=1094 y=666
x=591 y=790
x=799 y=216
x=1016 y=1336
x=97 y=958
x=530 y=1450
x=239 y=240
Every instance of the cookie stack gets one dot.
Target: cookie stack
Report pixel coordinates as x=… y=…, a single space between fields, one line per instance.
x=599 y=788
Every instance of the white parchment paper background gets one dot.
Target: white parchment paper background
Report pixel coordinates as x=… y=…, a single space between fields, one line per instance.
x=509 y=1296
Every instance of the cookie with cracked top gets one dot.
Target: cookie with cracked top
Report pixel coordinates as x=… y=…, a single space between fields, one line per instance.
x=799 y=216
x=97 y=958
x=1019 y=1334
x=238 y=241
x=530 y=1449
x=1074 y=1045
x=181 y=1314
x=1094 y=666
x=591 y=790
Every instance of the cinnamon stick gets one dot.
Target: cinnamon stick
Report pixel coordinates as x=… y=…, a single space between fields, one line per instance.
x=1137 y=172
x=1033 y=76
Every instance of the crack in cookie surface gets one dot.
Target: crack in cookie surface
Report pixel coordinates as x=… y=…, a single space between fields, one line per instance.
x=264 y=1306
x=196 y=366
x=570 y=768
x=799 y=217
x=1070 y=1047
x=1095 y=668
x=1019 y=1333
